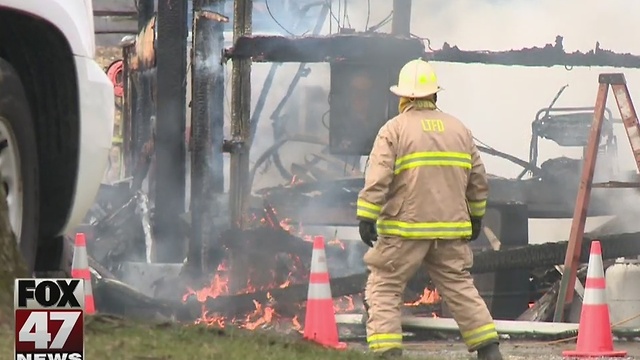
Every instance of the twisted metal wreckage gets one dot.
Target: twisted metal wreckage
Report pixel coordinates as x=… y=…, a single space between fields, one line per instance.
x=504 y=261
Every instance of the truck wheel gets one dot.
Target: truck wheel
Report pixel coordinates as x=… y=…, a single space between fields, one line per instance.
x=19 y=162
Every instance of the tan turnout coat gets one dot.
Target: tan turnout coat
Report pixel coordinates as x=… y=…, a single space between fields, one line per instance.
x=424 y=178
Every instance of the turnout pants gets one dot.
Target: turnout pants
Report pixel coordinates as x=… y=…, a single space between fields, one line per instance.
x=393 y=261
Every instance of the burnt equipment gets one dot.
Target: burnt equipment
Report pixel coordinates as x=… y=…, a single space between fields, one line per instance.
x=570 y=127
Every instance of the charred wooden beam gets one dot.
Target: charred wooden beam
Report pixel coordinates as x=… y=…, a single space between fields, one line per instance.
x=240 y=116
x=546 y=56
x=205 y=64
x=550 y=254
x=170 y=164
x=361 y=47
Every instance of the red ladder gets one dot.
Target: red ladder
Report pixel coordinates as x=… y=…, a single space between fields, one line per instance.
x=618 y=84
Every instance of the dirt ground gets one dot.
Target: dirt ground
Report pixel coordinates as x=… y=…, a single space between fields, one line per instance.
x=511 y=350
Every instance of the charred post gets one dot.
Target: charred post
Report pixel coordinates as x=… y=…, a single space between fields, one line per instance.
x=127 y=104
x=401 y=22
x=240 y=116
x=216 y=99
x=206 y=111
x=170 y=128
x=141 y=99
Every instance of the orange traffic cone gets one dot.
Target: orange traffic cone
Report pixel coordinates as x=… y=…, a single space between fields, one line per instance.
x=320 y=320
x=594 y=333
x=80 y=270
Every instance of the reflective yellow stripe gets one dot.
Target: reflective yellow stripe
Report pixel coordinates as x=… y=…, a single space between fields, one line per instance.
x=382 y=342
x=367 y=210
x=432 y=158
x=480 y=336
x=428 y=230
x=477 y=208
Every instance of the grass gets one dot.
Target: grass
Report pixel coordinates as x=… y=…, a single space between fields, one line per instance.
x=113 y=338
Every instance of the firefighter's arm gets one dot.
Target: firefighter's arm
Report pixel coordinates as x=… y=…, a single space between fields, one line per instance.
x=378 y=176
x=478 y=186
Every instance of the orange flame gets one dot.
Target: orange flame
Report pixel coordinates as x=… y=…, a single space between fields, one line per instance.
x=264 y=314
x=428 y=297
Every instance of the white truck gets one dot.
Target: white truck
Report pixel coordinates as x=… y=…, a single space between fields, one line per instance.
x=56 y=122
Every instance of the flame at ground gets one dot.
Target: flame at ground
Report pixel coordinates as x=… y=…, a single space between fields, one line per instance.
x=428 y=297
x=265 y=314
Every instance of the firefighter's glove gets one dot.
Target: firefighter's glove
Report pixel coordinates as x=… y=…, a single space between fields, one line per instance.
x=476 y=227
x=368 y=232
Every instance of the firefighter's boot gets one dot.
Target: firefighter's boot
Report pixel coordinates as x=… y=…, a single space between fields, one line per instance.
x=394 y=353
x=489 y=352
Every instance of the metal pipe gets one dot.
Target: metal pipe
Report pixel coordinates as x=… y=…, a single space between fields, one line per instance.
x=170 y=162
x=240 y=117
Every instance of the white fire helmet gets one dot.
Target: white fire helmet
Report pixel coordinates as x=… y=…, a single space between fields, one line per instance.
x=417 y=79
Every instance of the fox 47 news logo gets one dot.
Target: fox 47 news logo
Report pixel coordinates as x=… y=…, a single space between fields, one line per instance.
x=49 y=319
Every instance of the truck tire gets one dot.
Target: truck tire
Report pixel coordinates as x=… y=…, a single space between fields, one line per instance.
x=19 y=162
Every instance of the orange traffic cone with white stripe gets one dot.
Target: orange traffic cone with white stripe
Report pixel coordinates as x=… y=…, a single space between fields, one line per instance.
x=594 y=333
x=80 y=270
x=320 y=320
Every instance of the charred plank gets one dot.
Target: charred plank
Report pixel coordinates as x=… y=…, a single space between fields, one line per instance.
x=360 y=47
x=546 y=56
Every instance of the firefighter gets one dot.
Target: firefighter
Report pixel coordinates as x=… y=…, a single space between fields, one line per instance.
x=423 y=200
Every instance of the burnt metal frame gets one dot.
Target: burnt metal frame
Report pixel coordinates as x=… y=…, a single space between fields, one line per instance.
x=535 y=136
x=618 y=84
